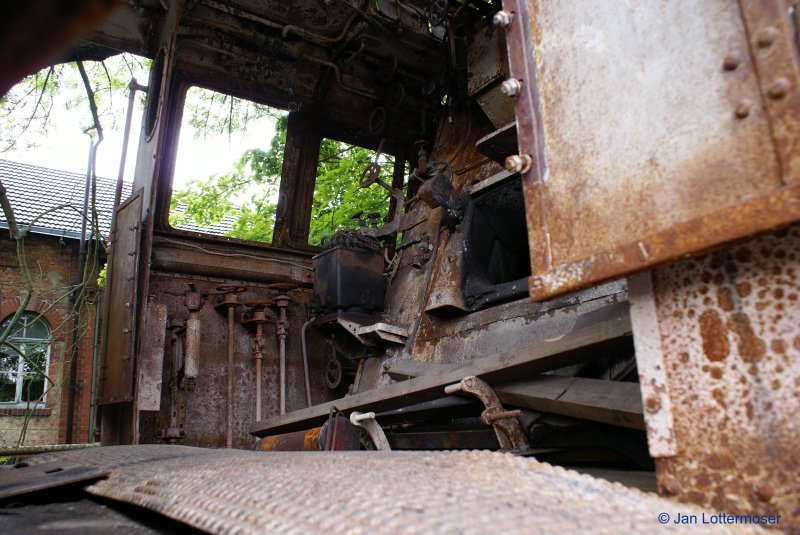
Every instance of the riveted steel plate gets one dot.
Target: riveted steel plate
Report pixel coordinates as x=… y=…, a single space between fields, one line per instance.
x=234 y=491
x=648 y=142
x=115 y=382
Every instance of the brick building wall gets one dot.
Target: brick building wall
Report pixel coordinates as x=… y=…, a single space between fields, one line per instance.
x=53 y=265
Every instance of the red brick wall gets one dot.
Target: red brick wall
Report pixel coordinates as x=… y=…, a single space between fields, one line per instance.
x=53 y=265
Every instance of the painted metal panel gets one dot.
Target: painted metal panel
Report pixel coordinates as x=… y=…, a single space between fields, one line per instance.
x=116 y=372
x=652 y=128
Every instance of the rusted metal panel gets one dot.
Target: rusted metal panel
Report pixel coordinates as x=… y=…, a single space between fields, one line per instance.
x=650 y=365
x=151 y=361
x=34 y=32
x=650 y=152
x=27 y=479
x=116 y=372
x=731 y=343
x=771 y=36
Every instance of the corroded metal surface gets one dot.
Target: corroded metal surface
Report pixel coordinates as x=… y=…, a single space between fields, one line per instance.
x=116 y=371
x=228 y=491
x=731 y=343
x=650 y=365
x=652 y=152
x=151 y=363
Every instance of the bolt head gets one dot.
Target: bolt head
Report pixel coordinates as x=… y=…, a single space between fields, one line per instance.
x=518 y=163
x=764 y=491
x=766 y=36
x=511 y=87
x=779 y=88
x=502 y=18
x=670 y=486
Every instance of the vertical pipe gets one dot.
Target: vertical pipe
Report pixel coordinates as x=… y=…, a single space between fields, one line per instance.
x=95 y=351
x=230 y=377
x=258 y=357
x=75 y=302
x=304 y=344
x=282 y=340
x=133 y=87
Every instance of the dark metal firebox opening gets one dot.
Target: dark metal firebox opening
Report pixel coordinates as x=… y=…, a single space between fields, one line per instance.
x=496 y=248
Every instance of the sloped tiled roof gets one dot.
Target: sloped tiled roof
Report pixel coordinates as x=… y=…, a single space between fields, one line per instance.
x=218 y=229
x=33 y=191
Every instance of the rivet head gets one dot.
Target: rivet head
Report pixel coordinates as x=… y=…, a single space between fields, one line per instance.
x=765 y=492
x=779 y=88
x=766 y=36
x=652 y=404
x=670 y=485
x=518 y=163
x=732 y=61
x=511 y=87
x=502 y=18
x=743 y=108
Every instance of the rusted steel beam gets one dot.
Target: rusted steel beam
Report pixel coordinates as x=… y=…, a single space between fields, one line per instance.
x=597 y=331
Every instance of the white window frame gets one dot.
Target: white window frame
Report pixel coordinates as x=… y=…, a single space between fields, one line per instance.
x=21 y=342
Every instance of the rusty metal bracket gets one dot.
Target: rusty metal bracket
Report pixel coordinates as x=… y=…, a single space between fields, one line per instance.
x=367 y=421
x=505 y=423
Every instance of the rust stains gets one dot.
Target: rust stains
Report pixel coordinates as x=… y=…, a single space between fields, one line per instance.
x=751 y=347
x=724 y=299
x=743 y=289
x=715 y=336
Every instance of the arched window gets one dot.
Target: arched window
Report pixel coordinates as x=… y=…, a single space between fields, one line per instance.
x=24 y=360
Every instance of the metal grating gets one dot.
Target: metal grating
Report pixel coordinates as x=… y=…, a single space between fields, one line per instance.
x=233 y=491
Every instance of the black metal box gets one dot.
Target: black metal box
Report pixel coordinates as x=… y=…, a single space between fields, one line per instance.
x=348 y=278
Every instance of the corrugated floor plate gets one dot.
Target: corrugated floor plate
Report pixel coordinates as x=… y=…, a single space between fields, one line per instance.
x=233 y=491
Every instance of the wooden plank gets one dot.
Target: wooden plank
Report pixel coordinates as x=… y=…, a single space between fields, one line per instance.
x=610 y=402
x=602 y=329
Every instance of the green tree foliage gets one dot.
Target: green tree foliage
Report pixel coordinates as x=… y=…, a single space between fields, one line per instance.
x=25 y=111
x=249 y=194
x=337 y=195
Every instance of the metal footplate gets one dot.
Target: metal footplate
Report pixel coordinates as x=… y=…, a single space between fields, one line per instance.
x=505 y=423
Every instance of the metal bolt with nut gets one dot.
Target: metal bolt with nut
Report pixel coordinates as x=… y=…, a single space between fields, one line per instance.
x=502 y=18
x=511 y=87
x=519 y=163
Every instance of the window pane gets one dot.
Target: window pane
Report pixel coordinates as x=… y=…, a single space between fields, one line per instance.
x=337 y=194
x=18 y=328
x=34 y=371
x=36 y=328
x=29 y=325
x=9 y=362
x=228 y=166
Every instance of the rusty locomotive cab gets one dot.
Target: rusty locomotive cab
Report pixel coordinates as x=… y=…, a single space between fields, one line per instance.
x=572 y=254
